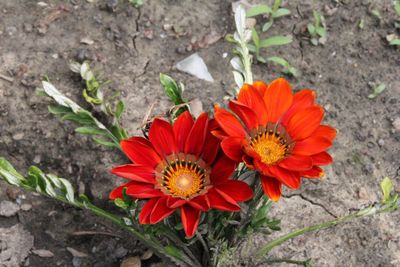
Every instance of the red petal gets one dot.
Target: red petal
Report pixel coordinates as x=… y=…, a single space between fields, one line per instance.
x=144 y=216
x=140 y=151
x=142 y=190
x=322 y=158
x=160 y=211
x=272 y=187
x=238 y=190
x=222 y=170
x=182 y=127
x=301 y=100
x=173 y=202
x=305 y=122
x=162 y=137
x=261 y=87
x=325 y=131
x=246 y=114
x=228 y=122
x=296 y=163
x=211 y=145
x=190 y=219
x=278 y=98
x=315 y=172
x=289 y=178
x=250 y=97
x=138 y=173
x=200 y=203
x=218 y=201
x=312 y=145
x=232 y=147
x=117 y=192
x=197 y=135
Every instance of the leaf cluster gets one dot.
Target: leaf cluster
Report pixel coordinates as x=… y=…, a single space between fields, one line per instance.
x=317 y=29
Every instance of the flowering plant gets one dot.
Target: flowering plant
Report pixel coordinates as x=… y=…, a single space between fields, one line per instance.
x=200 y=187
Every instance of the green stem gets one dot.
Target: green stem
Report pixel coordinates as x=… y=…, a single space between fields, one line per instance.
x=248 y=75
x=205 y=247
x=361 y=213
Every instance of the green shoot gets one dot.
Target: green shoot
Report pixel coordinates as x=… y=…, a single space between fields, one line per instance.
x=136 y=3
x=174 y=92
x=317 y=29
x=271 y=12
x=287 y=68
x=377 y=91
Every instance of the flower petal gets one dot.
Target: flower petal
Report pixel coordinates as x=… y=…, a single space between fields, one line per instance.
x=232 y=147
x=228 y=122
x=142 y=190
x=173 y=202
x=140 y=151
x=212 y=143
x=325 y=131
x=296 y=163
x=315 y=172
x=162 y=137
x=219 y=201
x=261 y=87
x=322 y=158
x=238 y=190
x=305 y=122
x=278 y=98
x=160 y=211
x=144 y=216
x=272 y=187
x=135 y=172
x=312 y=145
x=200 y=203
x=190 y=219
x=289 y=178
x=250 y=97
x=246 y=114
x=182 y=127
x=117 y=192
x=301 y=100
x=222 y=170
x=197 y=135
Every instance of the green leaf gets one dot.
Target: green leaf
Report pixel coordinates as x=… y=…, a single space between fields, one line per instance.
x=120 y=203
x=314 y=41
x=276 y=5
x=8 y=172
x=387 y=188
x=311 y=29
x=317 y=18
x=119 y=109
x=376 y=13
x=171 y=88
x=321 y=31
x=361 y=24
x=68 y=190
x=258 y=10
x=256 y=38
x=395 y=42
x=280 y=13
x=397 y=7
x=90 y=130
x=281 y=61
x=174 y=252
x=104 y=142
x=276 y=40
x=58 y=109
x=377 y=90
x=267 y=25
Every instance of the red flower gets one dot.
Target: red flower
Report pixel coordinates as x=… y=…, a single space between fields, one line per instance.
x=180 y=167
x=279 y=134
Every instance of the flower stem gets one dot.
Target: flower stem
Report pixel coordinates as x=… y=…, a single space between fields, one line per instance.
x=370 y=210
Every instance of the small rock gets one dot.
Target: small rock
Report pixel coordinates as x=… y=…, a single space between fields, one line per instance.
x=167 y=27
x=396 y=124
x=37 y=159
x=131 y=262
x=87 y=40
x=120 y=252
x=381 y=142
x=111 y=5
x=42 y=4
x=148 y=34
x=83 y=54
x=76 y=262
x=18 y=136
x=43 y=253
x=28 y=27
x=11 y=30
x=76 y=253
x=26 y=207
x=180 y=50
x=8 y=208
x=251 y=23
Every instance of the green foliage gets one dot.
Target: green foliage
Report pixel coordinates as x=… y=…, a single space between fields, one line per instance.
x=174 y=92
x=271 y=12
x=136 y=3
x=68 y=110
x=317 y=29
x=377 y=91
x=287 y=68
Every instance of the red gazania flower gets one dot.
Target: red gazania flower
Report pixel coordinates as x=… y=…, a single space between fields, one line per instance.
x=181 y=167
x=277 y=133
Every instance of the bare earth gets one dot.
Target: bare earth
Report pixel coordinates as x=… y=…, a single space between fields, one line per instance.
x=131 y=48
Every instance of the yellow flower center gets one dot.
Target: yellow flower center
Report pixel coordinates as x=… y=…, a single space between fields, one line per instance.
x=269 y=146
x=183 y=179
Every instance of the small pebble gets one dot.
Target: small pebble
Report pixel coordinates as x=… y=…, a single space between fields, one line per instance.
x=381 y=142
x=8 y=208
x=26 y=207
x=18 y=136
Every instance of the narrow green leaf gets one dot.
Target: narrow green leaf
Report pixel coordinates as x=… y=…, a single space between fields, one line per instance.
x=256 y=38
x=9 y=173
x=280 y=13
x=395 y=42
x=397 y=7
x=104 y=143
x=387 y=188
x=69 y=191
x=174 y=252
x=120 y=203
x=171 y=88
x=276 y=5
x=321 y=31
x=119 y=109
x=276 y=40
x=56 y=109
x=377 y=90
x=267 y=25
x=90 y=130
x=279 y=60
x=311 y=29
x=258 y=10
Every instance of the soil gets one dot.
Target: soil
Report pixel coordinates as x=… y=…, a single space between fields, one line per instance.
x=131 y=47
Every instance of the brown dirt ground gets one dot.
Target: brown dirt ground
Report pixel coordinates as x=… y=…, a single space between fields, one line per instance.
x=342 y=72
